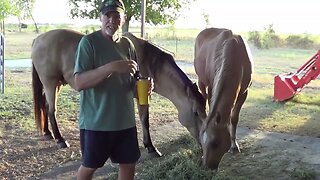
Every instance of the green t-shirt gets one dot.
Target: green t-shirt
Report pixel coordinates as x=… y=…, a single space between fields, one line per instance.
x=109 y=106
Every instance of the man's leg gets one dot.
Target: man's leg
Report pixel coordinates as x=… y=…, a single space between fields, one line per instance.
x=85 y=173
x=126 y=171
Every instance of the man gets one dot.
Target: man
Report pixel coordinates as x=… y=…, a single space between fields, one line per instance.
x=104 y=76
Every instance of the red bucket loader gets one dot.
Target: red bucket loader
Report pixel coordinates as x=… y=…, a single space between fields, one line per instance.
x=287 y=85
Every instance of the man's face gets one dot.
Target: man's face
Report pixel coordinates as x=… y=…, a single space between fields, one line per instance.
x=111 y=22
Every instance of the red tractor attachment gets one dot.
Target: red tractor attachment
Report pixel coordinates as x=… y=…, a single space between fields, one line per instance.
x=287 y=85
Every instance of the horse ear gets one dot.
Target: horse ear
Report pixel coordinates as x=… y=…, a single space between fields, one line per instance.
x=195 y=85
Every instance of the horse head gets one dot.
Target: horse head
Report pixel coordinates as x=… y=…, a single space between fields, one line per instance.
x=215 y=139
x=193 y=113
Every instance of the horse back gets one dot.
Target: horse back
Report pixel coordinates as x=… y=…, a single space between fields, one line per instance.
x=53 y=54
x=208 y=42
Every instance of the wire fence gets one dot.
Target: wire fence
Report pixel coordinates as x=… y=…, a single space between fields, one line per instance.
x=181 y=48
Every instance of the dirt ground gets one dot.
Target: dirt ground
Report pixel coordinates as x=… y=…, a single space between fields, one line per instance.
x=29 y=157
x=291 y=152
x=265 y=155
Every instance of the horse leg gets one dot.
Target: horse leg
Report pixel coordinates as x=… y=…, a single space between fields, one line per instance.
x=144 y=119
x=51 y=96
x=203 y=90
x=47 y=134
x=234 y=122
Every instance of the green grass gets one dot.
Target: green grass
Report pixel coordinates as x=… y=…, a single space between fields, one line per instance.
x=18 y=45
x=183 y=163
x=299 y=116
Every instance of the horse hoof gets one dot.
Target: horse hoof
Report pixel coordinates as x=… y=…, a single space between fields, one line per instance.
x=154 y=152
x=63 y=144
x=47 y=137
x=234 y=150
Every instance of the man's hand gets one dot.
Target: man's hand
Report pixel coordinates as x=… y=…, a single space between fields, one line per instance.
x=129 y=66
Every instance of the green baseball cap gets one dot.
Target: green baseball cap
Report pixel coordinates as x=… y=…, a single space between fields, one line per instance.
x=112 y=5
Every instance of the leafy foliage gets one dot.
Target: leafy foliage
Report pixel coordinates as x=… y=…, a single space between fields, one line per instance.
x=19 y=8
x=5 y=9
x=269 y=39
x=296 y=41
x=24 y=8
x=157 y=11
x=255 y=38
x=265 y=40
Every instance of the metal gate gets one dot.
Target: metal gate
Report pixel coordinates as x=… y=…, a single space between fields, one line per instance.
x=1 y=63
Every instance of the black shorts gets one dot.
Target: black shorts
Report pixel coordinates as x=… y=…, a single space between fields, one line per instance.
x=120 y=146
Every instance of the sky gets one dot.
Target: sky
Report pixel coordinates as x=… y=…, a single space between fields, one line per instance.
x=287 y=16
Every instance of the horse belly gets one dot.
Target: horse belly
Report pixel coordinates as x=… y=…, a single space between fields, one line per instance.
x=200 y=64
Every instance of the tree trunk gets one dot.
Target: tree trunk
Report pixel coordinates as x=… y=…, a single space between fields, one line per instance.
x=34 y=22
x=35 y=25
x=19 y=26
x=3 y=28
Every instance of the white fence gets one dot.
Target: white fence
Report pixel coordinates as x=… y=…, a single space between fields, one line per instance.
x=1 y=63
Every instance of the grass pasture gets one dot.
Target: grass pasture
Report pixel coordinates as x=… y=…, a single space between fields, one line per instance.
x=25 y=156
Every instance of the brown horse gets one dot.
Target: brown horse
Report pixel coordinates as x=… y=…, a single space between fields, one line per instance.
x=53 y=56
x=223 y=65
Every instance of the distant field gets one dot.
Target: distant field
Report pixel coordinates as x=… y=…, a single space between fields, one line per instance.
x=178 y=42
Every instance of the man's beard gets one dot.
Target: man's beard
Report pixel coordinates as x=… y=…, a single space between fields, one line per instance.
x=110 y=32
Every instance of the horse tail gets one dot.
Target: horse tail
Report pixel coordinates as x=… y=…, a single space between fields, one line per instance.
x=39 y=100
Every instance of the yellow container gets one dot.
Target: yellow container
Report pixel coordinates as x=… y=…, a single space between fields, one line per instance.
x=142 y=90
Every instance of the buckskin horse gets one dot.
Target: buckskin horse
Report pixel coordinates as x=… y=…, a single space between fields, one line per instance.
x=53 y=55
x=223 y=65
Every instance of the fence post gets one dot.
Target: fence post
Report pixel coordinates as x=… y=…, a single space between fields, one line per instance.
x=2 y=63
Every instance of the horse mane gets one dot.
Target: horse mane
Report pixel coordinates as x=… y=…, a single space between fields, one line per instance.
x=157 y=58
x=217 y=79
x=223 y=70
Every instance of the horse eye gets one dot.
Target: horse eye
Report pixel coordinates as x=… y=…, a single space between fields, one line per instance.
x=196 y=114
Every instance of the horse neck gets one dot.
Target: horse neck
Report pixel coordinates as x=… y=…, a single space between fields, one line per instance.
x=170 y=81
x=173 y=86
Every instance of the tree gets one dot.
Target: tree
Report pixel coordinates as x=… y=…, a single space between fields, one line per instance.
x=206 y=18
x=5 y=10
x=20 y=8
x=23 y=10
x=157 y=11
